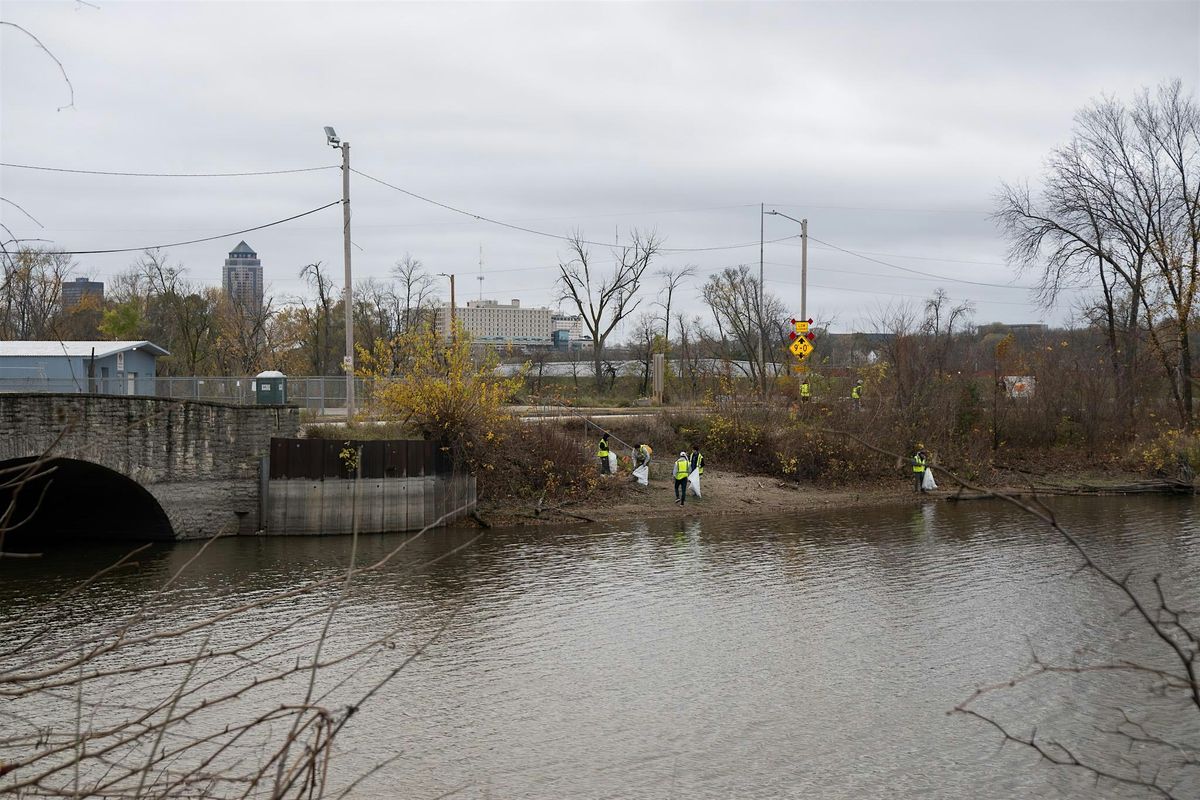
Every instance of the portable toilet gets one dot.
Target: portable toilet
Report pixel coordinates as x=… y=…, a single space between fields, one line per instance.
x=270 y=388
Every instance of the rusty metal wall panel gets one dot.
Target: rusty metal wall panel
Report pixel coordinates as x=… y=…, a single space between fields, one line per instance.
x=416 y=458
x=318 y=459
x=372 y=459
x=394 y=462
x=279 y=458
x=331 y=458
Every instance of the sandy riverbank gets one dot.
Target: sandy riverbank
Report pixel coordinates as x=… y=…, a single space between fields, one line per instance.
x=724 y=494
x=728 y=494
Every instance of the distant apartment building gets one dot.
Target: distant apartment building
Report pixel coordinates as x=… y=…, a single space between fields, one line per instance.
x=74 y=291
x=242 y=277
x=490 y=321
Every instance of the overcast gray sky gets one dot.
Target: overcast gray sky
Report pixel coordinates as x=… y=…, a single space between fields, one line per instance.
x=888 y=125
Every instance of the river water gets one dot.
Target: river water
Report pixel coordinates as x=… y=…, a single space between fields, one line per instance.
x=811 y=656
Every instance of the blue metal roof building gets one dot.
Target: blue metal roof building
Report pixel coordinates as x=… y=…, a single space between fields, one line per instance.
x=81 y=367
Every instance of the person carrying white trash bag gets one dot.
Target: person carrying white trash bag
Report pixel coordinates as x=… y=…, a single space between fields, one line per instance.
x=642 y=473
x=922 y=475
x=697 y=464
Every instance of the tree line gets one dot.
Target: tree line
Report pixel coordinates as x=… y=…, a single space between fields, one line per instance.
x=206 y=331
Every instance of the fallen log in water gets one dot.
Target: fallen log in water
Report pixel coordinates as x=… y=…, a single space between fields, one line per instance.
x=1084 y=490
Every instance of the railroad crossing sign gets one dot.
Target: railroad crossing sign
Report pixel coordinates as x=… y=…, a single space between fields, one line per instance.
x=801 y=348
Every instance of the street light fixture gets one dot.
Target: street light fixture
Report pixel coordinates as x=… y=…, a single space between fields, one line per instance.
x=332 y=139
x=803 y=260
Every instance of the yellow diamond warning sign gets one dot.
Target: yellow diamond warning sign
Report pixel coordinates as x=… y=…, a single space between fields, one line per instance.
x=801 y=348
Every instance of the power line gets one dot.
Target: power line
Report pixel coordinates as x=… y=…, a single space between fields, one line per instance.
x=840 y=271
x=535 y=232
x=919 y=272
x=897 y=209
x=168 y=174
x=920 y=258
x=192 y=241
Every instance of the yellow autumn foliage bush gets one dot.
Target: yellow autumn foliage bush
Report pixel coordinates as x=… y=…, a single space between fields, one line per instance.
x=438 y=389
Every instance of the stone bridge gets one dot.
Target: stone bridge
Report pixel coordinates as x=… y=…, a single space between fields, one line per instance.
x=134 y=467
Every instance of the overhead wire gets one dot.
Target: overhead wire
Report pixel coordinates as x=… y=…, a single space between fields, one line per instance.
x=547 y=234
x=192 y=241
x=168 y=174
x=915 y=258
x=920 y=272
x=864 y=255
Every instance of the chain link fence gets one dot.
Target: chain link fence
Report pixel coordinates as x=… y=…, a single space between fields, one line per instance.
x=319 y=394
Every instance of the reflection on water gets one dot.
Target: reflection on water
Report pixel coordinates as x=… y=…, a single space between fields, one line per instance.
x=806 y=656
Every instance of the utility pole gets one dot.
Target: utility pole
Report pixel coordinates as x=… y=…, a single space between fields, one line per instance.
x=803 y=263
x=453 y=315
x=331 y=138
x=349 y=293
x=758 y=312
x=804 y=268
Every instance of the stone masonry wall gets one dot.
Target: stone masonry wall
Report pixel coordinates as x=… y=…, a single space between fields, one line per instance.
x=199 y=459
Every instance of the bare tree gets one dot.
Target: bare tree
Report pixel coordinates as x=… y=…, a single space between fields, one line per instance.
x=604 y=298
x=673 y=278
x=643 y=345
x=414 y=292
x=689 y=351
x=1120 y=205
x=318 y=320
x=942 y=321
x=375 y=317
x=181 y=316
x=742 y=311
x=244 y=330
x=31 y=294
x=1148 y=744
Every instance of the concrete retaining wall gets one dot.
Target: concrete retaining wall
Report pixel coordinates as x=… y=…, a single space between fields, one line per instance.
x=308 y=507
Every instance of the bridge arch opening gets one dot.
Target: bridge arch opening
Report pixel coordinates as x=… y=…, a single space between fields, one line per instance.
x=72 y=499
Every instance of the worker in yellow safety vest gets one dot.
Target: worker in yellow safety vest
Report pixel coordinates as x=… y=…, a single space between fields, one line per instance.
x=918 y=465
x=856 y=395
x=805 y=392
x=602 y=453
x=682 y=467
x=644 y=452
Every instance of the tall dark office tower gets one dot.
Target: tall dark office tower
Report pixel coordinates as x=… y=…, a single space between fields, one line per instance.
x=243 y=277
x=74 y=291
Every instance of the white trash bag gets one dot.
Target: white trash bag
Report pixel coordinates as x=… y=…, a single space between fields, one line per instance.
x=694 y=482
x=642 y=474
x=612 y=462
x=928 y=483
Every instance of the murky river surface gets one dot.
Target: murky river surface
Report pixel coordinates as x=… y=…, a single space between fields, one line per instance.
x=813 y=656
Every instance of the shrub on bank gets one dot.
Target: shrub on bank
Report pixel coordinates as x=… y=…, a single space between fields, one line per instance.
x=1173 y=453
